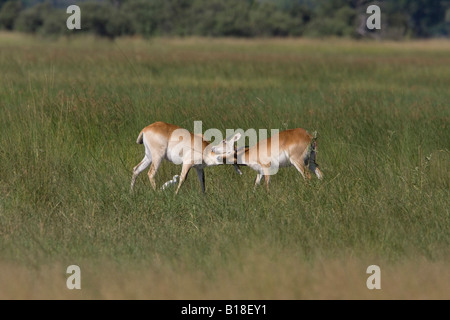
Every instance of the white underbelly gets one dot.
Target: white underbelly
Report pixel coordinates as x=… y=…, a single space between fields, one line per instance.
x=282 y=160
x=174 y=157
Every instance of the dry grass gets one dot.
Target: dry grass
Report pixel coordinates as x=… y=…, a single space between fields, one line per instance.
x=261 y=278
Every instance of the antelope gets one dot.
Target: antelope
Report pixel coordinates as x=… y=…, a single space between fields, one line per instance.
x=294 y=147
x=177 y=145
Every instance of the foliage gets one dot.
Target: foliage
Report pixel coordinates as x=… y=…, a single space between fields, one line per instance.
x=8 y=14
x=237 y=18
x=32 y=19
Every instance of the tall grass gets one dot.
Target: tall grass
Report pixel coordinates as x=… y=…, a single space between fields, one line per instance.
x=71 y=111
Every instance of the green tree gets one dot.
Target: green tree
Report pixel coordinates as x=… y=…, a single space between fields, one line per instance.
x=425 y=17
x=241 y=18
x=2 y=2
x=267 y=20
x=54 y=23
x=144 y=16
x=219 y=18
x=334 y=18
x=32 y=19
x=104 y=19
x=9 y=13
x=301 y=14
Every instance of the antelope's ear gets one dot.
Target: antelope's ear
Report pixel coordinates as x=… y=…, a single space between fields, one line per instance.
x=235 y=138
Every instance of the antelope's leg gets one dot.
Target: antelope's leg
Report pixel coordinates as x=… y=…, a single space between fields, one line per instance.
x=138 y=169
x=236 y=167
x=201 y=178
x=257 y=180
x=267 y=180
x=301 y=168
x=152 y=172
x=183 y=175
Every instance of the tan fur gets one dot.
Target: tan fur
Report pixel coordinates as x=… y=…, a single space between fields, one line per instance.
x=294 y=143
x=162 y=139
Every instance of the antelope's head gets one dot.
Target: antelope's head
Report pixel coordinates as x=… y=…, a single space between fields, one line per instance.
x=226 y=150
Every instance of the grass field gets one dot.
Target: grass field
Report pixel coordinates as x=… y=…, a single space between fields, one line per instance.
x=71 y=111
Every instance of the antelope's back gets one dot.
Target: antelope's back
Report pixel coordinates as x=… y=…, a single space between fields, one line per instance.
x=295 y=141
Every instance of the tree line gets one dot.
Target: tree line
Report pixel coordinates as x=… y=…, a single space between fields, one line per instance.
x=234 y=18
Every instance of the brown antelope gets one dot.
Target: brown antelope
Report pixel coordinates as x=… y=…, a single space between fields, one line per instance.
x=294 y=147
x=177 y=145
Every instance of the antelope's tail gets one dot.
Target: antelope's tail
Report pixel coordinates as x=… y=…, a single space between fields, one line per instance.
x=140 y=139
